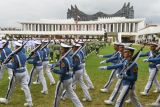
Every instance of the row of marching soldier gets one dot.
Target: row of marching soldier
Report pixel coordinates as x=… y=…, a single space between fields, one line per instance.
x=71 y=70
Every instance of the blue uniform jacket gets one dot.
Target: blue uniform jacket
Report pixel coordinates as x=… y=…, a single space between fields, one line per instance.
x=5 y=52
x=109 y=55
x=64 y=69
x=150 y=54
x=119 y=66
x=24 y=51
x=36 y=60
x=82 y=55
x=77 y=61
x=19 y=62
x=155 y=60
x=45 y=54
x=131 y=75
x=116 y=59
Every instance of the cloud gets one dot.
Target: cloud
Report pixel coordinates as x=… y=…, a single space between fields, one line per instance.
x=13 y=11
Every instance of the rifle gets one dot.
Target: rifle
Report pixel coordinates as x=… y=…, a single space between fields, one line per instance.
x=62 y=58
x=45 y=45
x=33 y=51
x=4 y=45
x=131 y=62
x=13 y=53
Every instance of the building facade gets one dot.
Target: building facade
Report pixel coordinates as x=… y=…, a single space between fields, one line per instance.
x=118 y=26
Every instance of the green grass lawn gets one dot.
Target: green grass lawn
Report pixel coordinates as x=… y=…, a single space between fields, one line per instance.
x=98 y=77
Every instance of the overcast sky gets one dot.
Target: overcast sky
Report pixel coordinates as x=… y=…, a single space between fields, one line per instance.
x=13 y=11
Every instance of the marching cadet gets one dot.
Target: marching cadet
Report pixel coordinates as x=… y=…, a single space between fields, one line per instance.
x=45 y=63
x=156 y=61
x=86 y=76
x=128 y=79
x=65 y=82
x=152 y=70
x=51 y=48
x=114 y=58
x=4 y=52
x=36 y=60
x=18 y=65
x=78 y=72
x=118 y=67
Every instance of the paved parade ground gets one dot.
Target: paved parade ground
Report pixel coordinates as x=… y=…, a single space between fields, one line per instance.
x=98 y=77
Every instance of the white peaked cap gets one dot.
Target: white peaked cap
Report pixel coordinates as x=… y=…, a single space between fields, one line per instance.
x=20 y=41
x=77 y=45
x=129 y=48
x=37 y=42
x=65 y=45
x=121 y=44
x=45 y=41
x=17 y=43
x=4 y=41
x=80 y=42
x=152 y=43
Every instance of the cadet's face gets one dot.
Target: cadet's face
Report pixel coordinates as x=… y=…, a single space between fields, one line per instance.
x=74 y=49
x=152 y=47
x=115 y=47
x=62 y=50
x=121 y=48
x=17 y=47
x=126 y=54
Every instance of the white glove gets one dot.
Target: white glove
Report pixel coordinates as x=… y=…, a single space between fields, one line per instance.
x=102 y=68
x=103 y=62
x=50 y=65
x=119 y=76
x=145 y=60
x=100 y=56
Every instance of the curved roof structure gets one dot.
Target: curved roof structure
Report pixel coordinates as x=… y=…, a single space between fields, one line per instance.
x=126 y=11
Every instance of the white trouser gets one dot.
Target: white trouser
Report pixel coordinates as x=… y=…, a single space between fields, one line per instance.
x=66 y=85
x=158 y=100
x=86 y=77
x=152 y=78
x=3 y=68
x=116 y=90
x=39 y=70
x=112 y=77
x=126 y=91
x=21 y=78
x=27 y=74
x=78 y=78
x=46 y=69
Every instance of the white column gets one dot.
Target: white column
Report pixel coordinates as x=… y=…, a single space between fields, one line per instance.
x=117 y=27
x=119 y=37
x=125 y=28
x=55 y=27
x=113 y=27
x=45 y=29
x=133 y=27
x=129 y=27
x=121 y=27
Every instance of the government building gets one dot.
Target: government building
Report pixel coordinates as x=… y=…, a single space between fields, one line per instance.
x=120 y=26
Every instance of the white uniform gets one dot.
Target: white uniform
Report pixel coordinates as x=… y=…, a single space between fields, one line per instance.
x=46 y=69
